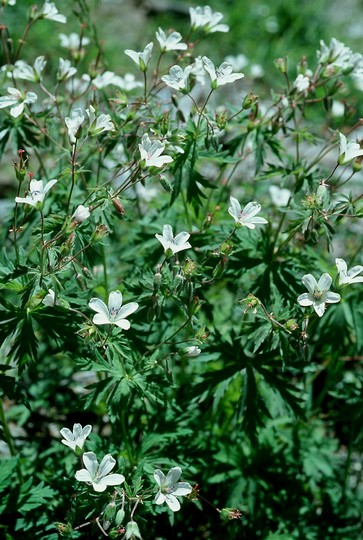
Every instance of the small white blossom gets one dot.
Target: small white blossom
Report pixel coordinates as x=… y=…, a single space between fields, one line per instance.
x=169 y=488
x=65 y=70
x=24 y=72
x=49 y=299
x=113 y=313
x=49 y=11
x=36 y=193
x=170 y=42
x=279 y=196
x=16 y=101
x=81 y=214
x=348 y=150
x=238 y=61
x=257 y=71
x=346 y=277
x=76 y=438
x=178 y=78
x=126 y=83
x=97 y=474
x=11 y=2
x=74 y=123
x=73 y=41
x=192 y=351
x=142 y=58
x=221 y=75
x=204 y=19
x=246 y=217
x=173 y=245
x=302 y=83
x=198 y=70
x=99 y=124
x=150 y=152
x=318 y=294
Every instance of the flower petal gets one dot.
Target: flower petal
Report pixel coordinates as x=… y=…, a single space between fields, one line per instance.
x=332 y=298
x=99 y=306
x=106 y=465
x=67 y=434
x=114 y=301
x=324 y=282
x=83 y=476
x=112 y=480
x=310 y=282
x=182 y=488
x=122 y=323
x=159 y=498
x=250 y=210
x=172 y=502
x=181 y=238
x=319 y=308
x=159 y=477
x=341 y=265
x=305 y=299
x=168 y=233
x=173 y=475
x=126 y=310
x=100 y=318
x=90 y=462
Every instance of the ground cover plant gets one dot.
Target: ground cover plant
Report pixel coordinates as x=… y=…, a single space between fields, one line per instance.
x=181 y=324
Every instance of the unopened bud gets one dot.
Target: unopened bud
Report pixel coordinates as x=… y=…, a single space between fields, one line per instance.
x=249 y=101
x=165 y=184
x=109 y=515
x=120 y=516
x=99 y=233
x=132 y=531
x=281 y=64
x=118 y=205
x=230 y=513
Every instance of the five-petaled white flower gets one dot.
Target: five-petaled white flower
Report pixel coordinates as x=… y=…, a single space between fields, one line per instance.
x=17 y=100
x=221 y=75
x=65 y=70
x=172 y=245
x=97 y=474
x=280 y=196
x=302 y=83
x=115 y=312
x=348 y=150
x=204 y=19
x=150 y=152
x=348 y=276
x=318 y=294
x=141 y=58
x=74 y=123
x=170 y=42
x=73 y=41
x=169 y=487
x=81 y=213
x=49 y=11
x=192 y=351
x=37 y=192
x=75 y=439
x=246 y=217
x=100 y=124
x=23 y=71
x=178 y=78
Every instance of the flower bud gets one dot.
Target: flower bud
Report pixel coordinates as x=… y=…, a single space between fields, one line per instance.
x=249 y=101
x=120 y=516
x=118 y=205
x=99 y=233
x=81 y=214
x=109 y=515
x=132 y=531
x=230 y=513
x=281 y=64
x=165 y=184
x=190 y=352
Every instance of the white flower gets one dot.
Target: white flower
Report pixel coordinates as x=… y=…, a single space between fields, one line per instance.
x=23 y=71
x=192 y=351
x=142 y=58
x=126 y=83
x=169 y=487
x=302 y=83
x=206 y=20
x=318 y=294
x=113 y=313
x=36 y=193
x=222 y=75
x=237 y=62
x=49 y=299
x=104 y=79
x=65 y=70
x=150 y=152
x=73 y=41
x=348 y=150
x=81 y=214
x=74 y=123
x=11 y=2
x=170 y=244
x=178 y=78
x=16 y=100
x=279 y=196
x=75 y=439
x=100 y=124
x=348 y=276
x=198 y=70
x=49 y=11
x=246 y=217
x=97 y=474
x=170 y=42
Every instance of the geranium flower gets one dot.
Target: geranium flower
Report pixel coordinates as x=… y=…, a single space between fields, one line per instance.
x=75 y=439
x=37 y=192
x=170 y=42
x=169 y=488
x=178 y=78
x=221 y=75
x=100 y=124
x=246 y=217
x=81 y=214
x=318 y=294
x=73 y=41
x=74 y=123
x=346 y=277
x=49 y=11
x=192 y=351
x=279 y=196
x=113 y=313
x=142 y=58
x=49 y=299
x=16 y=100
x=173 y=245
x=150 y=152
x=204 y=19
x=302 y=83
x=97 y=474
x=65 y=70
x=348 y=150
x=24 y=72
